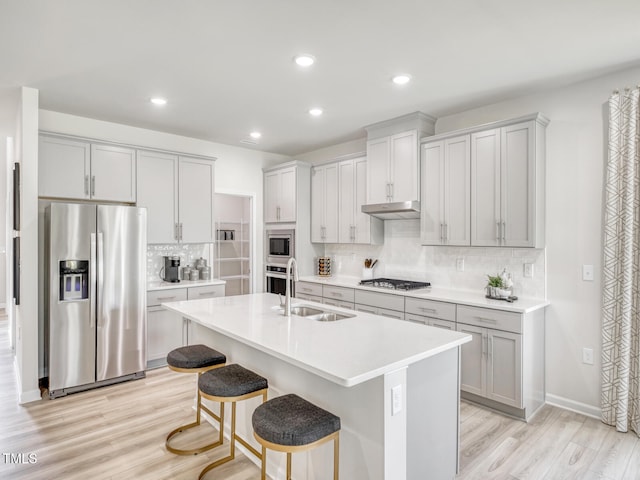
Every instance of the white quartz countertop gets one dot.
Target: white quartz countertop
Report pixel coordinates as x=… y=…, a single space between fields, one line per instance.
x=183 y=284
x=461 y=297
x=346 y=352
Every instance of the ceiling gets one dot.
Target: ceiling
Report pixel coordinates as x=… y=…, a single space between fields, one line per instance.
x=226 y=67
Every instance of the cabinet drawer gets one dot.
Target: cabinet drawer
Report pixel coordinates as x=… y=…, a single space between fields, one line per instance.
x=209 y=291
x=415 y=318
x=309 y=298
x=309 y=288
x=156 y=297
x=430 y=308
x=488 y=318
x=338 y=303
x=338 y=293
x=381 y=300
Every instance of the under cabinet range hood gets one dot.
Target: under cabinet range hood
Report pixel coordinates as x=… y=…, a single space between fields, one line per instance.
x=393 y=210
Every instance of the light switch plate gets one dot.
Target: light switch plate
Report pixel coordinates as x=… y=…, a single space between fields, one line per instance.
x=587 y=356
x=528 y=270
x=460 y=264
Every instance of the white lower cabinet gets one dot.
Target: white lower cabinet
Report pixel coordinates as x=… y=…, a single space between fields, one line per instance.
x=165 y=329
x=491 y=364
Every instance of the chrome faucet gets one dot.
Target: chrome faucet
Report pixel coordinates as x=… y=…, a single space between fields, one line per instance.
x=287 y=295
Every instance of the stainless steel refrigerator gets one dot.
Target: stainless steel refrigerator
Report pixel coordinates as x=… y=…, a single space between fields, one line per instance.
x=95 y=295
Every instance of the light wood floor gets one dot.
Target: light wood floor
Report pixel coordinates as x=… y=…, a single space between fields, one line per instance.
x=118 y=432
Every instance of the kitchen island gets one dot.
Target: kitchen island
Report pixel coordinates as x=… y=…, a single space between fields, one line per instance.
x=395 y=385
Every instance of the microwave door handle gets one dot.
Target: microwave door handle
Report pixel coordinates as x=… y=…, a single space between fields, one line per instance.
x=92 y=281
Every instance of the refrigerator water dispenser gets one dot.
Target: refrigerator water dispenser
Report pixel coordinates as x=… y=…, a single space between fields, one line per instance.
x=74 y=280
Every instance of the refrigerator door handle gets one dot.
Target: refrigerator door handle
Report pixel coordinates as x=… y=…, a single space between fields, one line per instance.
x=92 y=282
x=100 y=282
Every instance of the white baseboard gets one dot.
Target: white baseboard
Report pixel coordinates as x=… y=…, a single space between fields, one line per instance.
x=572 y=405
x=29 y=395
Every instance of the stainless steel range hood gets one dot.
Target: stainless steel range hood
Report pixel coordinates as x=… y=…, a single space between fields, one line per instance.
x=393 y=210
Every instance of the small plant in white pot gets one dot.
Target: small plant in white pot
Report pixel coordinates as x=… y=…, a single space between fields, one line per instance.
x=499 y=286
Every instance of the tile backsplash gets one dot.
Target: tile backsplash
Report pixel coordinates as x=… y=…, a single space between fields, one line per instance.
x=188 y=253
x=402 y=256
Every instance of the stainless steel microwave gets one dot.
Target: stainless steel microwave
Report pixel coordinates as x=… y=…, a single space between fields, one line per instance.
x=280 y=246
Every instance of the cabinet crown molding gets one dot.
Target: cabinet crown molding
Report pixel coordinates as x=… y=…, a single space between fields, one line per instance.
x=423 y=123
x=538 y=117
x=280 y=166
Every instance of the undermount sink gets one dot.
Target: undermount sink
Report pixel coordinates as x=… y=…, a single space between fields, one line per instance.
x=317 y=314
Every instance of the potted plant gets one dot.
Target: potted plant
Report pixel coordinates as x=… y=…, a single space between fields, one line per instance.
x=499 y=286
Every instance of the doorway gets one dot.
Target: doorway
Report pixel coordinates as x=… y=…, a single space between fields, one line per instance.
x=234 y=253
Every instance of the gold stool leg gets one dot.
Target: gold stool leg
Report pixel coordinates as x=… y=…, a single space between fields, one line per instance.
x=263 y=470
x=336 y=453
x=199 y=408
x=288 y=465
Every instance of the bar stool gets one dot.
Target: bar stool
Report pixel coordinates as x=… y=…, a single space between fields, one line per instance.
x=291 y=424
x=194 y=359
x=231 y=383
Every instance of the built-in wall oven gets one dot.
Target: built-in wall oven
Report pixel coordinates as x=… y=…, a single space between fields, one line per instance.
x=280 y=247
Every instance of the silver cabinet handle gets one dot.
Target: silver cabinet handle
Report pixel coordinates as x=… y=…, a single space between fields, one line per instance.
x=336 y=294
x=503 y=232
x=86 y=184
x=446 y=232
x=484 y=344
x=202 y=294
x=367 y=310
x=278 y=213
x=498 y=236
x=487 y=320
x=93 y=185
x=175 y=231
x=180 y=231
x=425 y=309
x=353 y=232
x=490 y=347
x=305 y=289
x=162 y=299
x=391 y=191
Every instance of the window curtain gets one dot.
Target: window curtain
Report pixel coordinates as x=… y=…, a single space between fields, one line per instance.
x=620 y=401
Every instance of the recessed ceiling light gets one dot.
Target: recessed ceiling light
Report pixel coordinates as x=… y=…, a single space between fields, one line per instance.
x=316 y=112
x=401 y=79
x=304 y=60
x=158 y=101
x=255 y=134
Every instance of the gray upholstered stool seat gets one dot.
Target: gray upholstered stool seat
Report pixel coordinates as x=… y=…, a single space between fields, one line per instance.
x=194 y=359
x=231 y=383
x=292 y=424
x=293 y=421
x=194 y=356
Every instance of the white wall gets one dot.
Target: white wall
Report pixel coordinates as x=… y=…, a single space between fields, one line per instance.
x=576 y=155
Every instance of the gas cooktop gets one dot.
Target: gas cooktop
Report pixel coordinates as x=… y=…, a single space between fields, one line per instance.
x=394 y=284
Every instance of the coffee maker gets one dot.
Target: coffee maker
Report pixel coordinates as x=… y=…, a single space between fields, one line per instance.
x=171 y=269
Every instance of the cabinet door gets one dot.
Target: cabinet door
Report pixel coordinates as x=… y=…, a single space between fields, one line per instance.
x=346 y=201
x=113 y=173
x=157 y=191
x=378 y=153
x=63 y=168
x=517 y=170
x=288 y=195
x=473 y=361
x=271 y=196
x=432 y=202
x=164 y=333
x=317 y=204
x=457 y=191
x=362 y=220
x=485 y=188
x=504 y=376
x=195 y=202
x=404 y=172
x=331 y=203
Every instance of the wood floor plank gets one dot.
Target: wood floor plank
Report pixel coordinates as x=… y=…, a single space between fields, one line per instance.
x=614 y=455
x=572 y=464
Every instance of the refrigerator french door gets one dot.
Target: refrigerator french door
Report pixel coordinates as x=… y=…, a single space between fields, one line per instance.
x=96 y=307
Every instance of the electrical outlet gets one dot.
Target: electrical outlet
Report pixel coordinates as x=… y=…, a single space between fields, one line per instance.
x=528 y=270
x=396 y=400
x=587 y=273
x=460 y=264
x=587 y=356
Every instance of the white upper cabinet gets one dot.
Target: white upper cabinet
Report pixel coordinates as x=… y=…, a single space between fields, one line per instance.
x=113 y=173
x=178 y=194
x=324 y=203
x=157 y=192
x=393 y=168
x=195 y=200
x=75 y=169
x=355 y=226
x=280 y=195
x=445 y=203
x=507 y=185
